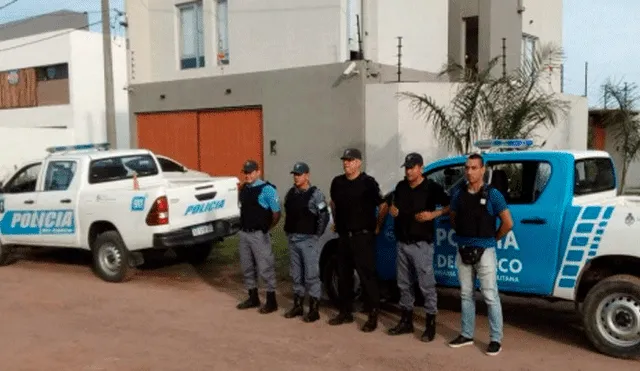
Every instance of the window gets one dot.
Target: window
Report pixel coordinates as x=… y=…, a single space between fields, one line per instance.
x=25 y=180
x=59 y=175
x=528 y=49
x=520 y=182
x=119 y=168
x=471 y=43
x=53 y=72
x=447 y=177
x=169 y=166
x=593 y=175
x=222 y=20
x=191 y=36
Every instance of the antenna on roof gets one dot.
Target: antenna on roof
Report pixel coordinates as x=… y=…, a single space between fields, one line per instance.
x=503 y=144
x=79 y=147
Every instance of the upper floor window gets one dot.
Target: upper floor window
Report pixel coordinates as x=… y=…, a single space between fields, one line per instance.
x=593 y=175
x=191 y=35
x=528 y=48
x=222 y=21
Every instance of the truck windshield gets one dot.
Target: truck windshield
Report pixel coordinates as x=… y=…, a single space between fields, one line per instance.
x=119 y=168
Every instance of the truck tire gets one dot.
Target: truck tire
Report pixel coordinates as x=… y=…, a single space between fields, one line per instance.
x=330 y=280
x=611 y=316
x=5 y=255
x=111 y=258
x=196 y=254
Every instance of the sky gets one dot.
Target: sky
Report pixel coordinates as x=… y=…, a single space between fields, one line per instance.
x=594 y=31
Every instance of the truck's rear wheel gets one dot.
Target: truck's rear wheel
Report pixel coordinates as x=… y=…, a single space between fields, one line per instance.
x=330 y=280
x=612 y=316
x=111 y=257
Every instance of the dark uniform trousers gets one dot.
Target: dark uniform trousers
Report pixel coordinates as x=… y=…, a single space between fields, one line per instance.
x=356 y=250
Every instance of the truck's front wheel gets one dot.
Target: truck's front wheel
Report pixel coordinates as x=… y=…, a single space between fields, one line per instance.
x=5 y=255
x=612 y=316
x=110 y=257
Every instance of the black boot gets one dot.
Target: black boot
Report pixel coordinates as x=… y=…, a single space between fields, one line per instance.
x=341 y=318
x=297 y=309
x=405 y=326
x=313 y=314
x=430 y=330
x=271 y=305
x=253 y=301
x=372 y=321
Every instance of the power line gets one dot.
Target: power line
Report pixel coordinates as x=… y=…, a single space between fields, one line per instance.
x=49 y=37
x=8 y=4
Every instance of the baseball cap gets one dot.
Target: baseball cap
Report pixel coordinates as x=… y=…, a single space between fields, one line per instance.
x=351 y=154
x=412 y=159
x=300 y=168
x=250 y=166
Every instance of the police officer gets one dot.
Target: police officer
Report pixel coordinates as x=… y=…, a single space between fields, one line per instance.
x=413 y=205
x=354 y=198
x=259 y=212
x=475 y=207
x=306 y=218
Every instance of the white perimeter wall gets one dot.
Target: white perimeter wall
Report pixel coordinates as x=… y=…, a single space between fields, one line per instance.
x=393 y=129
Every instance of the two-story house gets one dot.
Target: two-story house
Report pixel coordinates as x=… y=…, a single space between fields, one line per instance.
x=52 y=86
x=214 y=82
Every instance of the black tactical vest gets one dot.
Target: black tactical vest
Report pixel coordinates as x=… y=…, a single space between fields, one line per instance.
x=472 y=217
x=252 y=215
x=298 y=217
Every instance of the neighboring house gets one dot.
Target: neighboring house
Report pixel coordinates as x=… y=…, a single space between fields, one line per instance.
x=51 y=86
x=602 y=136
x=213 y=83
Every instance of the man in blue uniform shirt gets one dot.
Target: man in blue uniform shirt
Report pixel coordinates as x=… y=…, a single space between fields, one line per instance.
x=259 y=213
x=473 y=212
x=306 y=218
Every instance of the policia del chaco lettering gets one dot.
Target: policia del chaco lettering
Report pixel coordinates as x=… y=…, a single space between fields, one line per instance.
x=355 y=195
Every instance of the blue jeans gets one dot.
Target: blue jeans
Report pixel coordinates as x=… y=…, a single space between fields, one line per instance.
x=486 y=272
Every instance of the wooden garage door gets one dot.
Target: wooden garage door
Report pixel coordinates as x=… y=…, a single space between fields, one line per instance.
x=228 y=138
x=173 y=134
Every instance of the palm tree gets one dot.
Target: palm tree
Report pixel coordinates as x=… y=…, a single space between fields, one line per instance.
x=624 y=123
x=511 y=106
x=522 y=104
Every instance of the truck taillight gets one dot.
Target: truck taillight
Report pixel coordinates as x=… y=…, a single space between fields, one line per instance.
x=159 y=212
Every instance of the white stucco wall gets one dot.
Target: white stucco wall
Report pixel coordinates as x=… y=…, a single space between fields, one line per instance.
x=81 y=121
x=263 y=36
x=393 y=129
x=423 y=26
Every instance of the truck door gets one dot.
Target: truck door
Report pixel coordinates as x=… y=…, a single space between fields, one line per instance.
x=57 y=203
x=18 y=201
x=527 y=256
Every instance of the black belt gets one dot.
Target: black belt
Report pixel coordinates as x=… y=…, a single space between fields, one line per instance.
x=413 y=242
x=249 y=230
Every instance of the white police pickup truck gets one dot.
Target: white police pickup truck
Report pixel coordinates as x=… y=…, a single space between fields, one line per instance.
x=115 y=203
x=573 y=238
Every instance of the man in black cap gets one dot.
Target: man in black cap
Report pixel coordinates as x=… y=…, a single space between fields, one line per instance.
x=413 y=204
x=306 y=218
x=259 y=212
x=355 y=196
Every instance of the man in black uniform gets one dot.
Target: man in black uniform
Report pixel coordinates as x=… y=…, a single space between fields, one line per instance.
x=354 y=198
x=306 y=218
x=413 y=205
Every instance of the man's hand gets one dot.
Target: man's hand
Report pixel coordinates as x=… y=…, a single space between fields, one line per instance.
x=333 y=227
x=425 y=216
x=393 y=210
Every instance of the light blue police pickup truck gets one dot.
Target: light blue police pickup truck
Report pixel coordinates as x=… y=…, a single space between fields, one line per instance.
x=573 y=238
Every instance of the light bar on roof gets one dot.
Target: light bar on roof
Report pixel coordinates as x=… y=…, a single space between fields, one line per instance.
x=78 y=147
x=504 y=143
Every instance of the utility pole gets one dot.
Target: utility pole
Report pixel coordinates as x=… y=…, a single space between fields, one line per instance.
x=108 y=75
x=586 y=77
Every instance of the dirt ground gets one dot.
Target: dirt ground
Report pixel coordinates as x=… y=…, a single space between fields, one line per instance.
x=56 y=315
